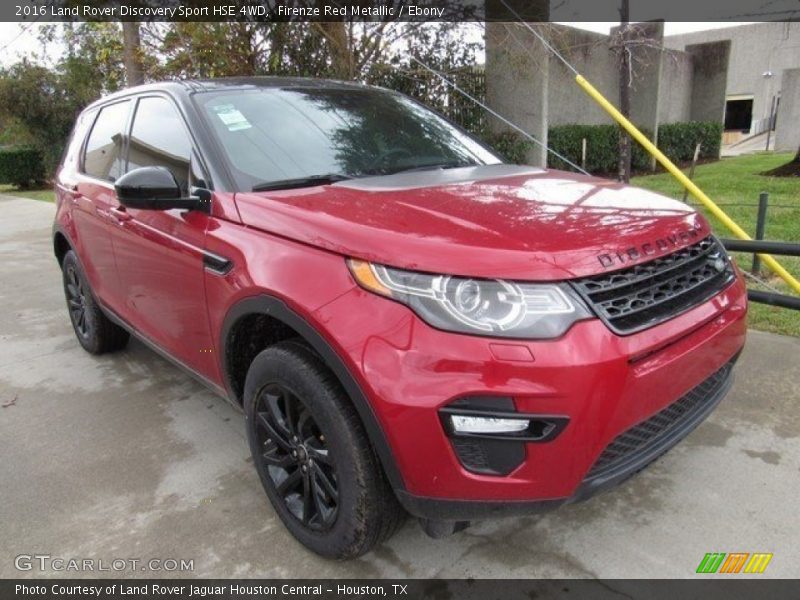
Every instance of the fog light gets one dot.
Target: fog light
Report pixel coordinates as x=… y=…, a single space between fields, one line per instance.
x=463 y=424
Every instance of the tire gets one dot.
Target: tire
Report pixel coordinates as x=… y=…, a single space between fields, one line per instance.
x=95 y=332
x=341 y=505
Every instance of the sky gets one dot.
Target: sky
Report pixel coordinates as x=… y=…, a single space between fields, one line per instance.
x=18 y=40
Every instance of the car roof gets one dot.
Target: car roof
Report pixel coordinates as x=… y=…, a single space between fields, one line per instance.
x=185 y=87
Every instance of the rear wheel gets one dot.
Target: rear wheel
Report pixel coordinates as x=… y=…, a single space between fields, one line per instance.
x=95 y=332
x=313 y=456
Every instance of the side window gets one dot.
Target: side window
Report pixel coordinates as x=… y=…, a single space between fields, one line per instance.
x=73 y=147
x=103 y=158
x=159 y=138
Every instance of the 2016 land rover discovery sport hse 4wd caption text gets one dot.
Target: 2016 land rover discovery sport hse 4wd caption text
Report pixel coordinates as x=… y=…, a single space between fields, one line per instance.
x=409 y=324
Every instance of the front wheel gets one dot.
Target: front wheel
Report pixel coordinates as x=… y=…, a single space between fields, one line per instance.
x=313 y=455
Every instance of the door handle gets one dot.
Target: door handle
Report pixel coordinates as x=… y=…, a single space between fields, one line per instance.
x=119 y=214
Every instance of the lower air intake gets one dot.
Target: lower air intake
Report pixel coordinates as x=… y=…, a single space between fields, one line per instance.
x=641 y=438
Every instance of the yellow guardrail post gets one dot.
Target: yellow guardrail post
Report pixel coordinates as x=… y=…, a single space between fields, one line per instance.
x=773 y=264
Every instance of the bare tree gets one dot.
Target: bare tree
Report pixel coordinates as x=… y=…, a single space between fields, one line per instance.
x=132 y=53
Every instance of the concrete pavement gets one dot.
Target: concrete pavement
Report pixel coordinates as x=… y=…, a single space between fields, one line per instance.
x=123 y=456
x=750 y=145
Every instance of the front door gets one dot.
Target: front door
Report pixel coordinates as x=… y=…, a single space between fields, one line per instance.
x=159 y=254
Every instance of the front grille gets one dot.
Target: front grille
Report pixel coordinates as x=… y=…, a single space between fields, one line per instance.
x=640 y=438
x=647 y=294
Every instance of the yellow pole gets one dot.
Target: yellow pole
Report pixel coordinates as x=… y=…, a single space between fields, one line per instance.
x=685 y=181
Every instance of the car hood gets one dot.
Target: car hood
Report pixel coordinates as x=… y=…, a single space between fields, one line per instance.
x=495 y=221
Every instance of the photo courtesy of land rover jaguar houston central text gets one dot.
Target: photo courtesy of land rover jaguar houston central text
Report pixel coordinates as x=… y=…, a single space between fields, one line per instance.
x=410 y=325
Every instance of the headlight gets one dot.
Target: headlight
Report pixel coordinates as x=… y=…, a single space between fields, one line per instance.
x=490 y=307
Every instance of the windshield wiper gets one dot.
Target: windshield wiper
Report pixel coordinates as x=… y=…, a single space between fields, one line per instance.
x=434 y=166
x=300 y=182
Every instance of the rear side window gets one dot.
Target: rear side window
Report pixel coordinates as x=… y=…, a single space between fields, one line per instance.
x=159 y=138
x=73 y=148
x=104 y=149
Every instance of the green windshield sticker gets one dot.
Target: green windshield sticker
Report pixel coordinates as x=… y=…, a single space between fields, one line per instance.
x=232 y=118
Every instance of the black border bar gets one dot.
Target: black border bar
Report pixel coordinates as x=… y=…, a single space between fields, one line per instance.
x=395 y=10
x=731 y=587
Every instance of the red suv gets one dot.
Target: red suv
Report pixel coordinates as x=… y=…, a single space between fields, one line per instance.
x=410 y=325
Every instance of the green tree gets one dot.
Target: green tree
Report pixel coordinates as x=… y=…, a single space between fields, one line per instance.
x=38 y=99
x=43 y=102
x=445 y=48
x=94 y=61
x=298 y=50
x=340 y=50
x=347 y=50
x=203 y=50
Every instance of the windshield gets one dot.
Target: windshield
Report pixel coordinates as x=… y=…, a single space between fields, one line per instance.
x=273 y=135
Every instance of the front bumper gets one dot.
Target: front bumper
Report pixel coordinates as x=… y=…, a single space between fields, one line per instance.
x=603 y=383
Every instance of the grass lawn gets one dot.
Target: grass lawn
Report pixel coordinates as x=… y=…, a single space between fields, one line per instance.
x=45 y=195
x=734 y=184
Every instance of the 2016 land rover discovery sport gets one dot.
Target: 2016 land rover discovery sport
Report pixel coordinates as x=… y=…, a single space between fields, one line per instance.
x=409 y=324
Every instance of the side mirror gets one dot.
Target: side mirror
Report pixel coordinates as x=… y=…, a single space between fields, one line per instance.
x=155 y=188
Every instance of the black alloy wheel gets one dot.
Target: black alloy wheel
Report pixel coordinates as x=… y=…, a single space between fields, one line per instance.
x=296 y=457
x=76 y=300
x=313 y=456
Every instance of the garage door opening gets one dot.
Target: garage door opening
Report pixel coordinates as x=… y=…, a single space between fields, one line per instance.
x=739 y=115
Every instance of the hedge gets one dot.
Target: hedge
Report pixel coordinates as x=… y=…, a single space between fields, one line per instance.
x=510 y=145
x=676 y=140
x=602 y=148
x=21 y=166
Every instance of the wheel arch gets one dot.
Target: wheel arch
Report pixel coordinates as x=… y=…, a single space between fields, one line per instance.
x=61 y=245
x=277 y=310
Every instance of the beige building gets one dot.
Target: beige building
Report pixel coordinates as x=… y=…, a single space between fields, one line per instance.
x=738 y=76
x=762 y=77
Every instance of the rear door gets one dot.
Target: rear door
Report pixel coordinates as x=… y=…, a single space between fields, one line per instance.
x=159 y=254
x=94 y=203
